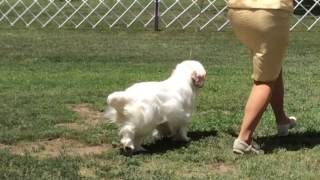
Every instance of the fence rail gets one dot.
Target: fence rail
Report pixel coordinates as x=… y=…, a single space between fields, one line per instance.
x=181 y=14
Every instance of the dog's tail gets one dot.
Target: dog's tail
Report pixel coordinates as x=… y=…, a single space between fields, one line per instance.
x=116 y=104
x=118 y=100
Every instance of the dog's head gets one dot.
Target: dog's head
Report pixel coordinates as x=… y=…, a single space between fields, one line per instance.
x=194 y=70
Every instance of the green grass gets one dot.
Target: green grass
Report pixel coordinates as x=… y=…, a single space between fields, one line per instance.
x=44 y=71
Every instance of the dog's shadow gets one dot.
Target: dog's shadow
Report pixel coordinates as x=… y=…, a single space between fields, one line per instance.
x=292 y=142
x=167 y=144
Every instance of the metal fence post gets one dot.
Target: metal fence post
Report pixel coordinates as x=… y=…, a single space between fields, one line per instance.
x=157 y=15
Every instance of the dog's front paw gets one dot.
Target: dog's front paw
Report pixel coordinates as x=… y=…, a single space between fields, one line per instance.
x=186 y=139
x=182 y=135
x=181 y=138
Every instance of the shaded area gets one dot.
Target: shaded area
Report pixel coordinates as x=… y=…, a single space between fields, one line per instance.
x=292 y=142
x=166 y=144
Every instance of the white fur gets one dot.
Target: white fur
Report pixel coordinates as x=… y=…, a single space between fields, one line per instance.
x=164 y=106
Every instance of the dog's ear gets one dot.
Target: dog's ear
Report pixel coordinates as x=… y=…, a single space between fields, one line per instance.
x=197 y=79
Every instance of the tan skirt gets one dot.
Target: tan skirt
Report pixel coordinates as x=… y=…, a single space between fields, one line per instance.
x=266 y=33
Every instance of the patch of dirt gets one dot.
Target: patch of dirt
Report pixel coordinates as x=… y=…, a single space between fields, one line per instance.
x=222 y=168
x=91 y=118
x=55 y=147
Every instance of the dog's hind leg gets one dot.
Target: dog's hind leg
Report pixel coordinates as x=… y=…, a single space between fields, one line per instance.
x=181 y=134
x=138 y=142
x=164 y=130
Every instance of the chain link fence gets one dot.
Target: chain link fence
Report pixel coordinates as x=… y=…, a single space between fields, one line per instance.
x=172 y=14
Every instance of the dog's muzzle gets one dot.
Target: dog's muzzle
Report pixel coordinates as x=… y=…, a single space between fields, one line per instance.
x=198 y=81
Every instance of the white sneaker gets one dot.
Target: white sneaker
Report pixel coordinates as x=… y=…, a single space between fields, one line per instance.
x=241 y=147
x=283 y=130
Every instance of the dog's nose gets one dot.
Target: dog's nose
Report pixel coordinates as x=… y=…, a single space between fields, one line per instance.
x=200 y=81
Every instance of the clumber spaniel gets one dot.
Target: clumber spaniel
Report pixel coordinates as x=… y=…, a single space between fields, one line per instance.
x=162 y=107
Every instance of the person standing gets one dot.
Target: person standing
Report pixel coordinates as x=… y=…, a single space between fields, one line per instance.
x=263 y=27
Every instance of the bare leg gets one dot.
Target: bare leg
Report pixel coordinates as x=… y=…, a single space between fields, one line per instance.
x=276 y=101
x=256 y=105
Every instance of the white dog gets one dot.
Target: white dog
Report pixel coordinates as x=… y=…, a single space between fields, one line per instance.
x=164 y=106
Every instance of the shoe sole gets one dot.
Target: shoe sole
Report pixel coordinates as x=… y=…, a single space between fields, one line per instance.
x=236 y=151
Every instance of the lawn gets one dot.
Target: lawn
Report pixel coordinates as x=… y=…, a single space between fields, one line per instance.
x=54 y=84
